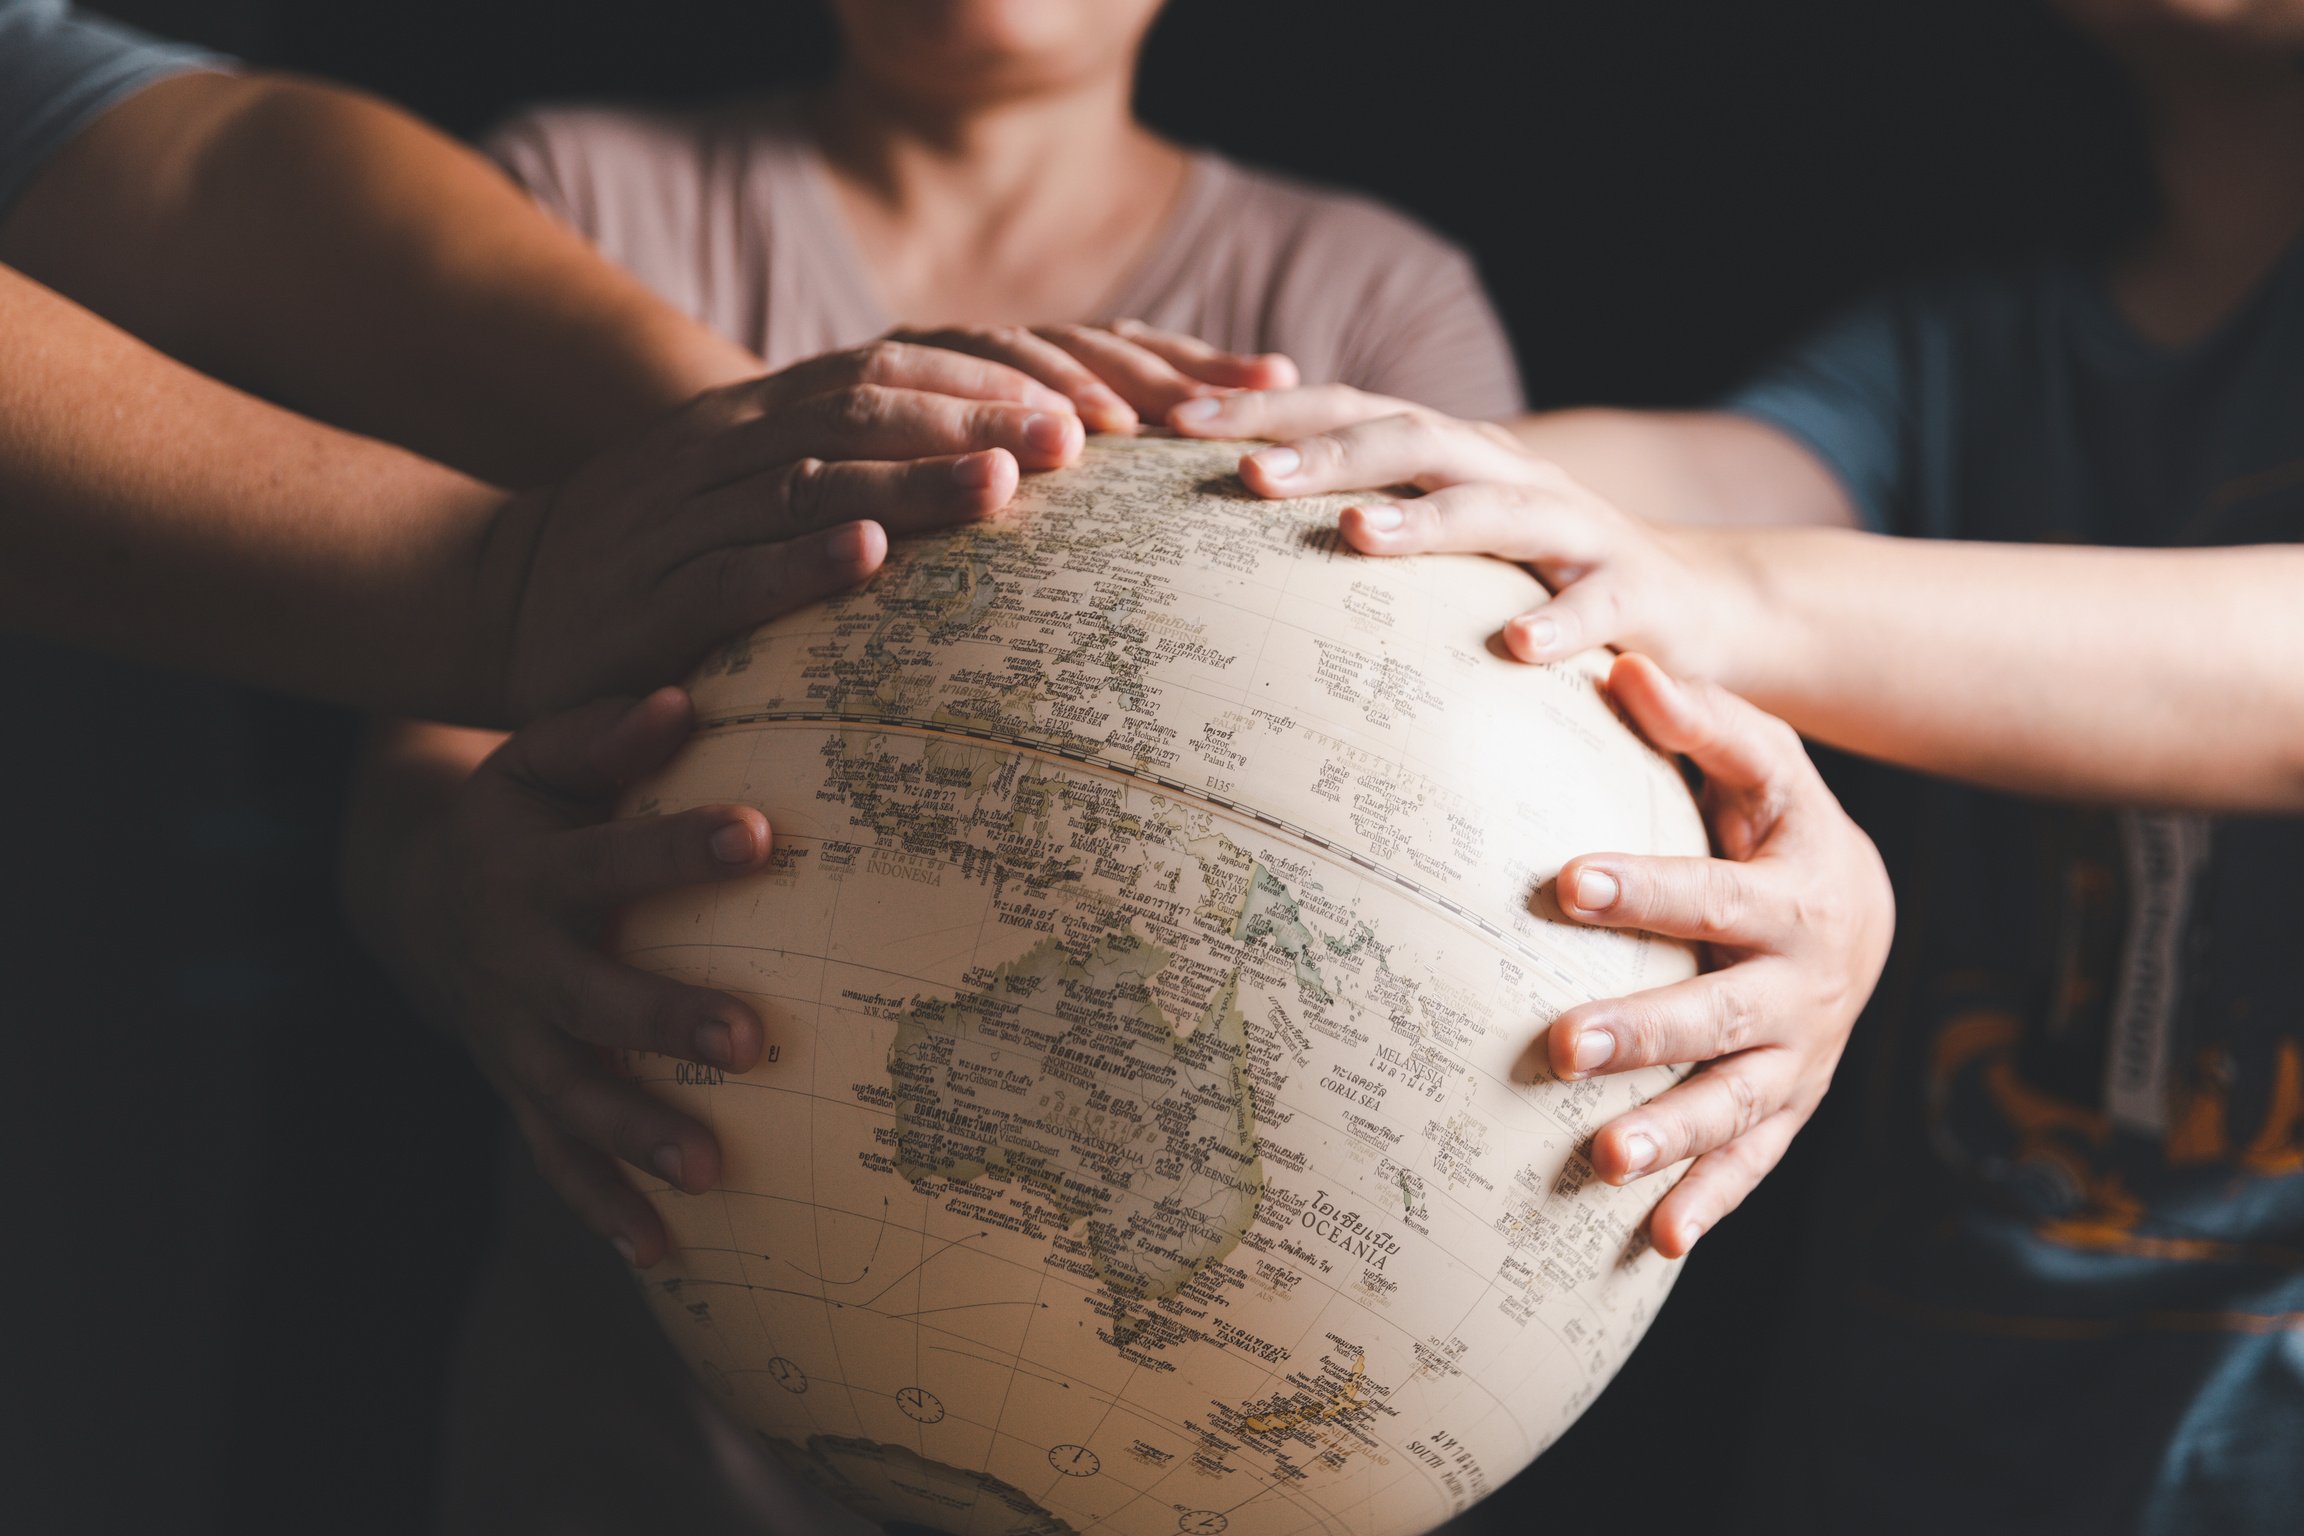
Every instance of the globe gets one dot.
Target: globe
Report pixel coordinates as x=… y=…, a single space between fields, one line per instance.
x=1150 y=1137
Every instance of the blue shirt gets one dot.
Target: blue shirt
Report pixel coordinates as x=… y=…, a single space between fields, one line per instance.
x=2067 y=1291
x=59 y=72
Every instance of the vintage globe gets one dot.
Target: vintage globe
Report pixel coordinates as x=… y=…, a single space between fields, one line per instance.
x=1149 y=1138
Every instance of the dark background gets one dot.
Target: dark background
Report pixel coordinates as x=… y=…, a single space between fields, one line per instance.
x=1659 y=192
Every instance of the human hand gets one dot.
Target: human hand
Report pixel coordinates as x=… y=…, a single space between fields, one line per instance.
x=1684 y=596
x=1281 y=412
x=490 y=917
x=1118 y=373
x=746 y=502
x=1794 y=916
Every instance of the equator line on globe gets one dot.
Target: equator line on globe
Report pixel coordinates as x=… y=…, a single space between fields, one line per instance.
x=1154 y=937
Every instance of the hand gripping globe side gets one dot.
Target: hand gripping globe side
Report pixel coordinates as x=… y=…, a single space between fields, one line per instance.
x=1148 y=1139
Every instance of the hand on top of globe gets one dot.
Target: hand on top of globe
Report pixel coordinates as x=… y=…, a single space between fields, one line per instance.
x=1119 y=373
x=1283 y=411
x=744 y=503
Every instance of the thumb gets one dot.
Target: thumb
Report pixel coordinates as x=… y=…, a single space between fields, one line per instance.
x=583 y=756
x=1738 y=745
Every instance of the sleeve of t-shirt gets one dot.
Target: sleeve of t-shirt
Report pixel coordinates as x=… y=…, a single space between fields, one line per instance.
x=528 y=147
x=1844 y=395
x=59 y=71
x=1427 y=333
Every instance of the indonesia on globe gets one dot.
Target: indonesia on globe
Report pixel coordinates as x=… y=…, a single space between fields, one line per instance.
x=1158 y=924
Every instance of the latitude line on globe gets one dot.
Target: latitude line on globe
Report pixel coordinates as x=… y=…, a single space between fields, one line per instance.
x=1023 y=743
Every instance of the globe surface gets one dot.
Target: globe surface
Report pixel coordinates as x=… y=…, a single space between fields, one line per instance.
x=1148 y=1139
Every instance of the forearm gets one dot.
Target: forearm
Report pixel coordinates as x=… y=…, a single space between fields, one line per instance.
x=1689 y=467
x=2156 y=677
x=156 y=514
x=395 y=819
x=330 y=252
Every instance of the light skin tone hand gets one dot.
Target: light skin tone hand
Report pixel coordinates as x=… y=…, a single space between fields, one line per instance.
x=1119 y=374
x=1794 y=918
x=2159 y=677
x=498 y=912
x=1698 y=468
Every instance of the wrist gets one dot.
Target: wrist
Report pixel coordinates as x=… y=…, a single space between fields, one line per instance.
x=1750 y=641
x=491 y=579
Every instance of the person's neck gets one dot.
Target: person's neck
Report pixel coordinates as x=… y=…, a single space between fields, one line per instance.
x=2228 y=140
x=1022 y=211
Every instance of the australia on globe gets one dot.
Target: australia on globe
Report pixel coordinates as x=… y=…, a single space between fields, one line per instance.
x=1148 y=1138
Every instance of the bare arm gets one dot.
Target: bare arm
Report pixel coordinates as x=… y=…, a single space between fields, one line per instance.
x=2143 y=677
x=155 y=513
x=2153 y=677
x=332 y=253
x=1690 y=467
x=1678 y=467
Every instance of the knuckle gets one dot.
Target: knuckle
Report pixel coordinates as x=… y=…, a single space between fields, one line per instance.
x=664 y=1025
x=1822 y=909
x=880 y=361
x=1744 y=1107
x=1722 y=902
x=1783 y=741
x=1735 y=1020
x=859 y=407
x=803 y=487
x=551 y=1086
x=1638 y=1025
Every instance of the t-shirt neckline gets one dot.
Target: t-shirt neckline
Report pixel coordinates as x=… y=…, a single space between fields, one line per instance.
x=2115 y=332
x=1171 y=243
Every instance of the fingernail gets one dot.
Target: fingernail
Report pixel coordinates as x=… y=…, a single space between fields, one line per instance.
x=1277 y=463
x=733 y=844
x=623 y=1246
x=1593 y=1048
x=667 y=1161
x=1689 y=1232
x=716 y=1043
x=1199 y=412
x=1540 y=633
x=1639 y=1152
x=850 y=544
x=1049 y=434
x=973 y=471
x=1383 y=518
x=1043 y=398
x=1596 y=890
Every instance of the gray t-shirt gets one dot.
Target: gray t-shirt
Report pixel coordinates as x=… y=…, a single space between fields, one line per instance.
x=59 y=72
x=2071 y=1296
x=730 y=215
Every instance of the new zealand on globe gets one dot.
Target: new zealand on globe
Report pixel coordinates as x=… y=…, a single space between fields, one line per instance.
x=1148 y=1139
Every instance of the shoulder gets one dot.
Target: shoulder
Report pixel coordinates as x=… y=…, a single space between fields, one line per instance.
x=570 y=156
x=1357 y=292
x=60 y=70
x=1963 y=328
x=598 y=164
x=1344 y=231
x=1892 y=390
